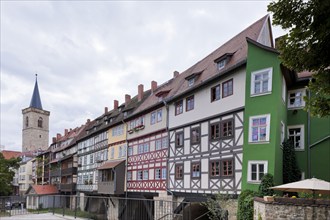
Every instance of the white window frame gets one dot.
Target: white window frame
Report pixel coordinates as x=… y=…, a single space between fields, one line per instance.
x=293 y=106
x=270 y=76
x=302 y=136
x=283 y=89
x=282 y=132
x=158 y=173
x=145 y=174
x=221 y=64
x=153 y=117
x=258 y=162
x=267 y=128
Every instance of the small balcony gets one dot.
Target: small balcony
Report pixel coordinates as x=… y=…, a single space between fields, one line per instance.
x=54 y=173
x=67 y=187
x=69 y=171
x=86 y=188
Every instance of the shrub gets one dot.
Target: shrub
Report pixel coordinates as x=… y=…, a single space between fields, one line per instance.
x=217 y=212
x=245 y=205
x=266 y=182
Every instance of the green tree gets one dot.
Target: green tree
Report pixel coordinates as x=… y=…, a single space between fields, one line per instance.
x=217 y=206
x=245 y=205
x=306 y=46
x=266 y=182
x=7 y=172
x=291 y=172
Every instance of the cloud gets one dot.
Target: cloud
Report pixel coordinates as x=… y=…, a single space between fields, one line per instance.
x=88 y=53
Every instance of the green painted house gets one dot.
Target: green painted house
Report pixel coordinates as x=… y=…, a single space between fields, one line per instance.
x=274 y=112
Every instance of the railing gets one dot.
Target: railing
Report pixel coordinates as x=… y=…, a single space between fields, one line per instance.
x=56 y=172
x=106 y=187
x=86 y=187
x=68 y=187
x=69 y=171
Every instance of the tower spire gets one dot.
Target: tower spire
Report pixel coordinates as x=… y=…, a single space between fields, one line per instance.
x=35 y=100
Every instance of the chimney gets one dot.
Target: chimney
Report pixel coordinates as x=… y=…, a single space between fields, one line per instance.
x=88 y=120
x=58 y=136
x=127 y=99
x=140 y=92
x=66 y=132
x=176 y=74
x=153 y=86
x=115 y=104
x=105 y=110
x=54 y=140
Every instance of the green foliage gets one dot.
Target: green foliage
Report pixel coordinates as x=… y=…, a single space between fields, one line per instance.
x=306 y=46
x=7 y=172
x=291 y=171
x=216 y=212
x=266 y=182
x=245 y=205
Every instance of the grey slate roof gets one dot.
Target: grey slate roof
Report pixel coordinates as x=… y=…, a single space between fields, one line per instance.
x=35 y=100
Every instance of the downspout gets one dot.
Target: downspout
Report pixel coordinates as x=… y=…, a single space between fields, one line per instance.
x=168 y=142
x=309 y=137
x=126 y=167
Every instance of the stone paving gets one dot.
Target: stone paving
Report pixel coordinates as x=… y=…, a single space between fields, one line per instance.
x=41 y=216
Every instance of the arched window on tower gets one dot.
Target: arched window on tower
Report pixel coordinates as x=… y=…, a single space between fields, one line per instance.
x=40 y=122
x=26 y=121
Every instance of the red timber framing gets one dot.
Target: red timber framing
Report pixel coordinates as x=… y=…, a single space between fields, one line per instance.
x=147 y=163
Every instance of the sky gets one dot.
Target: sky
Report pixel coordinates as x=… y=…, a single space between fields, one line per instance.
x=89 y=53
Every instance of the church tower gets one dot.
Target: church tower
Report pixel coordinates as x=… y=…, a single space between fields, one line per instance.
x=35 y=124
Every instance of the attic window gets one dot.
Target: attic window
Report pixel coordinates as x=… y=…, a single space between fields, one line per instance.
x=221 y=64
x=191 y=82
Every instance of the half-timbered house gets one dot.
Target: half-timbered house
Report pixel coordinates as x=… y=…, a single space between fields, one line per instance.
x=206 y=119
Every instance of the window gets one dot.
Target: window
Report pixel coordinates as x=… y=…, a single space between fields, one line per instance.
x=178 y=171
x=214 y=131
x=153 y=118
x=282 y=132
x=164 y=173
x=158 y=174
x=191 y=82
x=112 y=153
x=195 y=135
x=158 y=144
x=296 y=135
x=27 y=121
x=295 y=98
x=179 y=139
x=227 y=128
x=120 y=152
x=130 y=151
x=40 y=122
x=227 y=168
x=164 y=142
x=139 y=121
x=117 y=131
x=215 y=93
x=283 y=89
x=159 y=115
x=227 y=88
x=140 y=149
x=146 y=147
x=140 y=175
x=261 y=81
x=85 y=160
x=178 y=107
x=259 y=128
x=145 y=174
x=221 y=64
x=214 y=169
x=195 y=170
x=91 y=159
x=129 y=175
x=256 y=170
x=190 y=103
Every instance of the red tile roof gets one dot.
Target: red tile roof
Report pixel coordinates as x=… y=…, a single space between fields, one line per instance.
x=7 y=154
x=110 y=164
x=44 y=189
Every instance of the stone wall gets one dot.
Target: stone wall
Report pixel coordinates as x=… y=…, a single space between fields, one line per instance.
x=298 y=209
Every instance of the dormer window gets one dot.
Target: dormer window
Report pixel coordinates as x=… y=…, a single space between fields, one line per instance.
x=223 y=60
x=191 y=82
x=221 y=64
